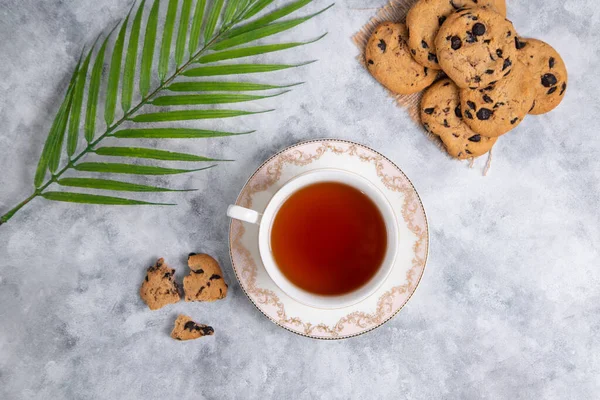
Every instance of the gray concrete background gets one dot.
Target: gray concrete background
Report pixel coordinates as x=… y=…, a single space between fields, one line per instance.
x=509 y=306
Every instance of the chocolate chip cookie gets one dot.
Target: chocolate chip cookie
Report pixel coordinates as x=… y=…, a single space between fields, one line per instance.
x=549 y=73
x=425 y=18
x=186 y=329
x=476 y=47
x=159 y=287
x=441 y=115
x=205 y=281
x=388 y=59
x=496 y=109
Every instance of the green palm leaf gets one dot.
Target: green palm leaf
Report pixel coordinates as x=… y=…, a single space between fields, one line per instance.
x=51 y=150
x=192 y=114
x=267 y=19
x=116 y=168
x=251 y=51
x=172 y=133
x=229 y=12
x=75 y=118
x=154 y=154
x=256 y=8
x=264 y=31
x=213 y=17
x=223 y=86
x=184 y=19
x=94 y=91
x=196 y=26
x=70 y=197
x=197 y=99
x=148 y=50
x=218 y=27
x=107 y=184
x=112 y=87
x=236 y=69
x=165 y=49
x=131 y=59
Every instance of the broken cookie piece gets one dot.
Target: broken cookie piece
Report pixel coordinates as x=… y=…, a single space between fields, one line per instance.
x=205 y=281
x=186 y=329
x=159 y=287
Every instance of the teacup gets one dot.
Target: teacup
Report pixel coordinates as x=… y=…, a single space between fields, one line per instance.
x=266 y=220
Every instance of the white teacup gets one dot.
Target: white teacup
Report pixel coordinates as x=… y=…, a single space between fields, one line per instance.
x=265 y=220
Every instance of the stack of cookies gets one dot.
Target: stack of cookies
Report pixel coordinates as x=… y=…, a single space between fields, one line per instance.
x=487 y=78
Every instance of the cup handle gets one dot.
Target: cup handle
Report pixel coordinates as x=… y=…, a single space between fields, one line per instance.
x=244 y=214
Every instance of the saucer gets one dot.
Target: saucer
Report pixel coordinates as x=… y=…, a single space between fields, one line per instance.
x=391 y=295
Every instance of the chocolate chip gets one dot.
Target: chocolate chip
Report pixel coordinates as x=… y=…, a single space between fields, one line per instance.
x=475 y=138
x=454 y=5
x=490 y=87
x=456 y=43
x=518 y=44
x=220 y=292
x=413 y=51
x=551 y=62
x=200 y=291
x=507 y=63
x=470 y=38
x=489 y=71
x=471 y=105
x=487 y=41
x=487 y=99
x=432 y=57
x=167 y=275
x=191 y=254
x=468 y=114
x=198 y=271
x=552 y=90
x=425 y=70
x=382 y=45
x=441 y=20
x=208 y=284
x=446 y=110
x=424 y=44
x=214 y=276
x=563 y=88
x=457 y=111
x=498 y=104
x=549 y=80
x=479 y=29
x=146 y=278
x=371 y=62
x=446 y=123
x=207 y=330
x=512 y=122
x=508 y=72
x=484 y=114
x=190 y=325
x=508 y=34
x=468 y=151
x=476 y=79
x=532 y=106
x=428 y=111
x=455 y=135
x=499 y=53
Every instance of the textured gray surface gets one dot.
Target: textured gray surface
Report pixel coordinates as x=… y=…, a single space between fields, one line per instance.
x=509 y=306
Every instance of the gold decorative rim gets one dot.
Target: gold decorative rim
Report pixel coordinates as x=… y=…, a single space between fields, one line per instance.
x=386 y=301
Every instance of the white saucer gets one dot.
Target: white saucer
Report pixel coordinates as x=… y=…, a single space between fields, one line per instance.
x=402 y=281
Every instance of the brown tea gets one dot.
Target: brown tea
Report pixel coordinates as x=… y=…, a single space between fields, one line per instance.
x=329 y=238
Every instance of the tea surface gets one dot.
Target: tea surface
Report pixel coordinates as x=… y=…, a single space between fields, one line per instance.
x=329 y=238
